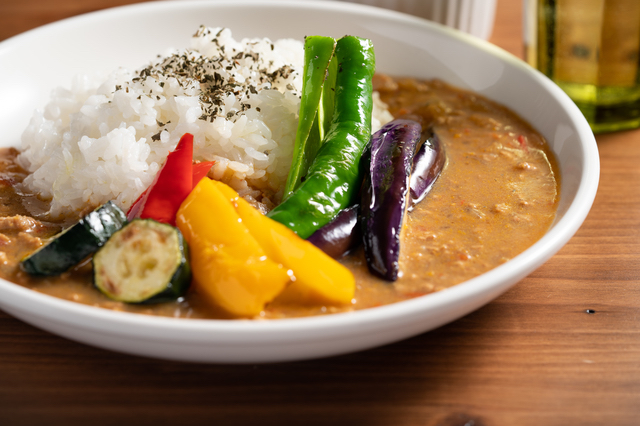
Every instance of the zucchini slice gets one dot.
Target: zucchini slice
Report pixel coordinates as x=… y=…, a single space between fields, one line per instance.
x=74 y=244
x=144 y=262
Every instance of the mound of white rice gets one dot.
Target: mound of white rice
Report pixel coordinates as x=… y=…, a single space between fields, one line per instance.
x=105 y=138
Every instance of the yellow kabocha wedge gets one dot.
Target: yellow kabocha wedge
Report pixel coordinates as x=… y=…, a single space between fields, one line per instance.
x=319 y=279
x=229 y=267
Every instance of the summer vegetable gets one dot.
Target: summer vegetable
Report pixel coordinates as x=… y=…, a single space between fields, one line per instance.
x=333 y=179
x=384 y=194
x=315 y=107
x=317 y=279
x=144 y=262
x=341 y=235
x=427 y=165
x=229 y=267
x=74 y=244
x=175 y=180
x=244 y=260
x=345 y=232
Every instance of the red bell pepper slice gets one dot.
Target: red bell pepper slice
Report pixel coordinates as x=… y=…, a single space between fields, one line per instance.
x=172 y=184
x=200 y=170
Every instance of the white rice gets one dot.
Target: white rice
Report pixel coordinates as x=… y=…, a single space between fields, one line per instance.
x=105 y=138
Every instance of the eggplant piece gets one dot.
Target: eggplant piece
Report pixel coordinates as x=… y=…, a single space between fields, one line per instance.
x=384 y=194
x=344 y=234
x=339 y=236
x=427 y=165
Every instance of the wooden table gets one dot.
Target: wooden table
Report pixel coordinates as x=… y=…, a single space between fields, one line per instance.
x=534 y=356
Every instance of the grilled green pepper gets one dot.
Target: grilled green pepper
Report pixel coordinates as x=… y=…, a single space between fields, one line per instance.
x=318 y=51
x=334 y=177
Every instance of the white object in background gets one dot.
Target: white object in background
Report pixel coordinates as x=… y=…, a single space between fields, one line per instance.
x=471 y=16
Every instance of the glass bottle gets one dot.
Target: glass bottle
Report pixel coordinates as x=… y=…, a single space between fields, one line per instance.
x=590 y=48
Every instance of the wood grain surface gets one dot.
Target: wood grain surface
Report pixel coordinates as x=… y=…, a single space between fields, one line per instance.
x=534 y=356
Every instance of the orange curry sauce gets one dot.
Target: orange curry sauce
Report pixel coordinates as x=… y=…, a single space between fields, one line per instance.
x=496 y=196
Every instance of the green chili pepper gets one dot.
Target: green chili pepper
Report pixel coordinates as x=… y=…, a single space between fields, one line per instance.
x=325 y=112
x=318 y=52
x=334 y=177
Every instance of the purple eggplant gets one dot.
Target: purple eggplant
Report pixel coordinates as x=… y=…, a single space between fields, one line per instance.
x=384 y=194
x=344 y=233
x=427 y=165
x=339 y=236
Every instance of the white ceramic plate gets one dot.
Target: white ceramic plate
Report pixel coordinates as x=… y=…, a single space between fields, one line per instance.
x=33 y=63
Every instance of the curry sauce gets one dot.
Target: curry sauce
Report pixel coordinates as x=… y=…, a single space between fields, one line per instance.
x=496 y=196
